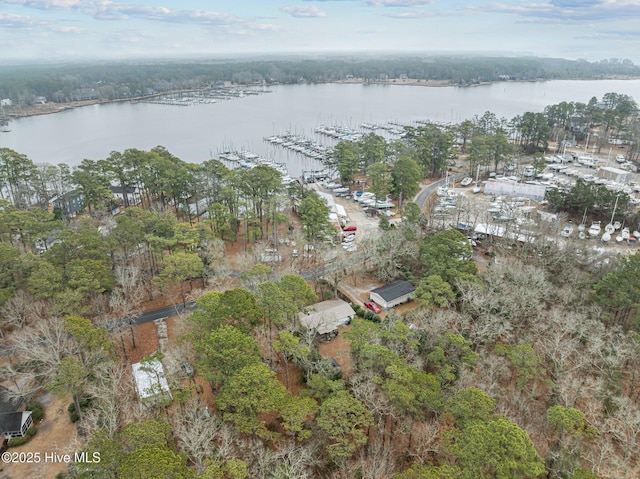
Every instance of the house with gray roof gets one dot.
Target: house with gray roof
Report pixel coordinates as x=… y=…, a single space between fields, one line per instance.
x=326 y=317
x=393 y=294
x=14 y=420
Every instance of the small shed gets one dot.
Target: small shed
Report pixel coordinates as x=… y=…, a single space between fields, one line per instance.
x=151 y=383
x=326 y=317
x=393 y=294
x=614 y=174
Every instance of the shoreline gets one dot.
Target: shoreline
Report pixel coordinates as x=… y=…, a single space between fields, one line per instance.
x=16 y=112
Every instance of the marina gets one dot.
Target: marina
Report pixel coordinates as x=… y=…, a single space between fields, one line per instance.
x=191 y=134
x=201 y=97
x=302 y=145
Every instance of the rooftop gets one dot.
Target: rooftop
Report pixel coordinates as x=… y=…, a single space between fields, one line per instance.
x=326 y=316
x=395 y=290
x=150 y=379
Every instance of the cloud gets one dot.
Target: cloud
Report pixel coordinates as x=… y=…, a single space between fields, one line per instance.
x=409 y=15
x=383 y=3
x=108 y=10
x=575 y=3
x=310 y=11
x=568 y=10
x=49 y=4
x=68 y=29
x=8 y=20
x=397 y=3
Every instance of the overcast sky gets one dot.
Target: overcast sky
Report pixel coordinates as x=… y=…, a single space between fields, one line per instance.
x=102 y=29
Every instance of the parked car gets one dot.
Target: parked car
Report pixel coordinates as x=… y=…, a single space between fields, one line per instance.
x=350 y=228
x=372 y=306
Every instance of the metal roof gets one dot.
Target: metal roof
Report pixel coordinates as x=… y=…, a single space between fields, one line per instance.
x=326 y=316
x=396 y=290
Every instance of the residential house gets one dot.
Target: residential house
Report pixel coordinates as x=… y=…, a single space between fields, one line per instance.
x=70 y=204
x=133 y=195
x=14 y=420
x=326 y=317
x=393 y=294
x=151 y=382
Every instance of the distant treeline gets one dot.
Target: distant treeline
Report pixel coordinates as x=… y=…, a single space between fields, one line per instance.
x=109 y=81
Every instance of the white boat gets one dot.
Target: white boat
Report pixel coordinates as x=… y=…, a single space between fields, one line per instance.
x=636 y=234
x=466 y=181
x=594 y=229
x=619 y=239
x=625 y=234
x=477 y=188
x=617 y=225
x=582 y=226
x=581 y=235
x=609 y=228
x=606 y=237
x=567 y=230
x=383 y=205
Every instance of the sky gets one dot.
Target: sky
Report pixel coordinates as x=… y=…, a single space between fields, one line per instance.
x=70 y=30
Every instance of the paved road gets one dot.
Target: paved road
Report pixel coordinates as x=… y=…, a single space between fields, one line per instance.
x=427 y=190
x=149 y=316
x=330 y=268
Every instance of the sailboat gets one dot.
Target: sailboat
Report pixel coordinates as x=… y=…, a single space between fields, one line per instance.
x=582 y=226
x=610 y=228
x=466 y=181
x=477 y=187
x=568 y=229
x=594 y=229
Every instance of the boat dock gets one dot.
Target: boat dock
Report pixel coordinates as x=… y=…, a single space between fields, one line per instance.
x=200 y=97
x=302 y=145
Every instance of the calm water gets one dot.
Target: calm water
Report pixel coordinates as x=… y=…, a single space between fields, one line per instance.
x=196 y=132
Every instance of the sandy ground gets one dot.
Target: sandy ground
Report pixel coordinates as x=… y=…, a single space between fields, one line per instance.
x=339 y=349
x=56 y=434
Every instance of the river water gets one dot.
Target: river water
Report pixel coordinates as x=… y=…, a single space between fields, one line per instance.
x=198 y=132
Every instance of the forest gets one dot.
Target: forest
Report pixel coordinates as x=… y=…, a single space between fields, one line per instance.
x=23 y=84
x=522 y=365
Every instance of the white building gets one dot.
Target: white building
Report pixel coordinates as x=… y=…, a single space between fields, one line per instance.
x=151 y=383
x=326 y=317
x=614 y=174
x=393 y=294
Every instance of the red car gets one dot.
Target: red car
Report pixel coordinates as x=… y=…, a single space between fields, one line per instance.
x=372 y=306
x=350 y=228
